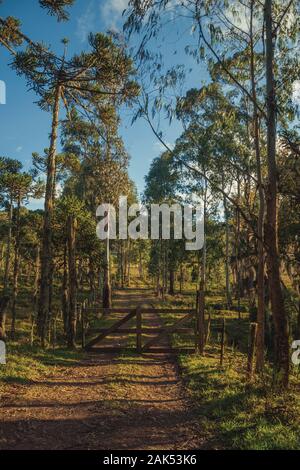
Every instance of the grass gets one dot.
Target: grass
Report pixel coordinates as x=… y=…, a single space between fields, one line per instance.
x=26 y=363
x=237 y=414
x=233 y=412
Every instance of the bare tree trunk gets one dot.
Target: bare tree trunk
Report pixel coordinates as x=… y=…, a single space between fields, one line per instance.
x=8 y=247
x=36 y=281
x=46 y=252
x=227 y=258
x=16 y=268
x=4 y=300
x=125 y=262
x=298 y=317
x=106 y=300
x=72 y=282
x=281 y=360
x=91 y=277
x=260 y=338
x=202 y=282
x=122 y=264
x=181 y=279
x=65 y=295
x=141 y=274
x=238 y=251
x=171 y=281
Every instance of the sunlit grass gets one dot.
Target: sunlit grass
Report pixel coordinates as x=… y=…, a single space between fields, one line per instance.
x=241 y=415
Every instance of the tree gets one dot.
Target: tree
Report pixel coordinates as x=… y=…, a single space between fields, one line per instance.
x=23 y=188
x=271 y=225
x=71 y=213
x=222 y=40
x=102 y=176
x=8 y=174
x=95 y=76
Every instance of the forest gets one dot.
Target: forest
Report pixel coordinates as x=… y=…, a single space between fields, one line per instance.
x=222 y=78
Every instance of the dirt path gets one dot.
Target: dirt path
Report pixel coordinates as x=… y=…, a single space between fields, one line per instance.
x=104 y=402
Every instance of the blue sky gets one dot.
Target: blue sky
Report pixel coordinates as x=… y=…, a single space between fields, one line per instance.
x=25 y=128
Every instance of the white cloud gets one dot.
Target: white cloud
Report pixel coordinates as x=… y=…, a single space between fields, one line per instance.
x=86 y=22
x=19 y=148
x=111 y=12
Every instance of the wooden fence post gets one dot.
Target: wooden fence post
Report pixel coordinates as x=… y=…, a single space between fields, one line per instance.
x=138 y=330
x=251 y=351
x=222 y=342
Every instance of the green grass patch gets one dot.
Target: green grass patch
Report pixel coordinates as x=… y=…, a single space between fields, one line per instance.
x=25 y=364
x=237 y=414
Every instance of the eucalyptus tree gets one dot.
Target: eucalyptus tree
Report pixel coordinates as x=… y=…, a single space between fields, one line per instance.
x=214 y=23
x=162 y=184
x=289 y=218
x=213 y=144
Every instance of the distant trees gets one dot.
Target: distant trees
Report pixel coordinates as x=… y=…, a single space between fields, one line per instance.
x=15 y=187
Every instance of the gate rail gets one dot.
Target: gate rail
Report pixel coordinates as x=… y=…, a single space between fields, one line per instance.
x=139 y=330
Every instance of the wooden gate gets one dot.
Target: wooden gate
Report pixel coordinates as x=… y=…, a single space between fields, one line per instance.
x=140 y=330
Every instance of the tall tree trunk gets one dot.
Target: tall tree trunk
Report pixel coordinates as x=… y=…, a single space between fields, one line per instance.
x=91 y=276
x=165 y=266
x=16 y=268
x=129 y=265
x=8 y=246
x=171 y=281
x=298 y=316
x=72 y=281
x=46 y=252
x=281 y=359
x=202 y=282
x=106 y=299
x=4 y=299
x=36 y=279
x=65 y=294
x=227 y=257
x=122 y=264
x=238 y=250
x=141 y=274
x=260 y=339
x=181 y=279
